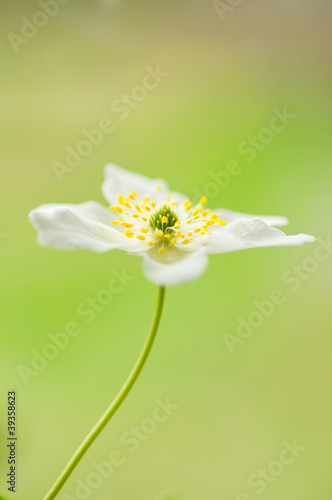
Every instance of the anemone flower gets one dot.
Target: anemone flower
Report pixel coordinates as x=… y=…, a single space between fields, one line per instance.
x=145 y=218
x=173 y=236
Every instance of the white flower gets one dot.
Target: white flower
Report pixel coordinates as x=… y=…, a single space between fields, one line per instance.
x=146 y=219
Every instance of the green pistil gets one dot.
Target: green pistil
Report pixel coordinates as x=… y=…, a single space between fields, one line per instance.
x=156 y=219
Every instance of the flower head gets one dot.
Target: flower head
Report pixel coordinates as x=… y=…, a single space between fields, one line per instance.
x=166 y=229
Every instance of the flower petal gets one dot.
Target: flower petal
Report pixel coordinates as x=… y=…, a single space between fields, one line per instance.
x=90 y=210
x=250 y=233
x=182 y=271
x=72 y=227
x=271 y=220
x=121 y=181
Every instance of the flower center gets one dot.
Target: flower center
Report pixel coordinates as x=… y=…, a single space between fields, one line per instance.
x=163 y=219
x=165 y=225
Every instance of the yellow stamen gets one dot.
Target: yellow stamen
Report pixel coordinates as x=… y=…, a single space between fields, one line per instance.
x=140 y=237
x=189 y=234
x=174 y=240
x=135 y=216
x=129 y=233
x=144 y=229
x=161 y=251
x=185 y=242
x=214 y=216
x=147 y=208
x=117 y=209
x=203 y=200
x=164 y=219
x=187 y=205
x=177 y=224
x=123 y=201
x=197 y=230
x=152 y=243
x=115 y=222
x=138 y=208
x=153 y=204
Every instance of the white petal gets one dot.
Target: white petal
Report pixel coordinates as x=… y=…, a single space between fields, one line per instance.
x=250 y=233
x=72 y=227
x=90 y=210
x=121 y=181
x=271 y=220
x=182 y=271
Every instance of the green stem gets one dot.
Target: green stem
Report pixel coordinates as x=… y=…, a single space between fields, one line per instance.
x=116 y=403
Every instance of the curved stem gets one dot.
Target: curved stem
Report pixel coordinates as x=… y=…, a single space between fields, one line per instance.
x=116 y=403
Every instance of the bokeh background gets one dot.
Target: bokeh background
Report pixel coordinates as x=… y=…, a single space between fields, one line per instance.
x=226 y=76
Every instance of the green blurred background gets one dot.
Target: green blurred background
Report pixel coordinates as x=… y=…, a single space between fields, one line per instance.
x=235 y=409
